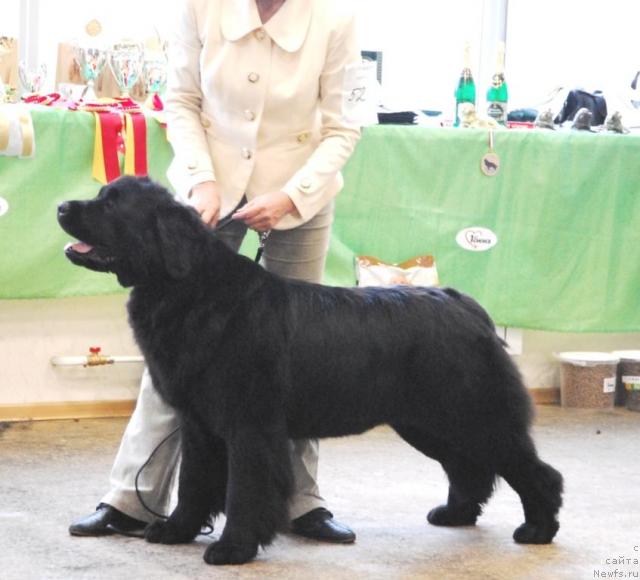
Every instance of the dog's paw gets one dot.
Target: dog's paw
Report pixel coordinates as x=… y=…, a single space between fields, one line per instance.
x=166 y=532
x=445 y=516
x=221 y=553
x=536 y=534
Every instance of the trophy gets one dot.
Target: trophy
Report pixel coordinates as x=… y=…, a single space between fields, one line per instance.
x=31 y=79
x=6 y=46
x=91 y=61
x=125 y=61
x=155 y=76
x=155 y=72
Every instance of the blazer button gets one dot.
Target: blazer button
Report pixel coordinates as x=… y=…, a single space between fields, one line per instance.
x=253 y=77
x=249 y=115
x=305 y=183
x=246 y=154
x=260 y=34
x=206 y=123
x=302 y=137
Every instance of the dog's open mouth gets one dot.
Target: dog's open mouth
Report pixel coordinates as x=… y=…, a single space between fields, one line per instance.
x=84 y=254
x=78 y=247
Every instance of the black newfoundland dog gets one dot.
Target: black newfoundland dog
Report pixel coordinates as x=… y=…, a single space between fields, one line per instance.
x=250 y=360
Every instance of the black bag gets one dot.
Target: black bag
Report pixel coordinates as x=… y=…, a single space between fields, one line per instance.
x=578 y=99
x=398 y=118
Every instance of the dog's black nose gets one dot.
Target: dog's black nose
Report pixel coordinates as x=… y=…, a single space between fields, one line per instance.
x=63 y=208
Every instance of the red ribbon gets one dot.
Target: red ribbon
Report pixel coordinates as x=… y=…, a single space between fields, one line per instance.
x=42 y=99
x=120 y=127
x=135 y=144
x=156 y=102
x=110 y=126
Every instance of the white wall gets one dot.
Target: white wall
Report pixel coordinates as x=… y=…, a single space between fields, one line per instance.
x=10 y=18
x=423 y=45
x=573 y=43
x=32 y=331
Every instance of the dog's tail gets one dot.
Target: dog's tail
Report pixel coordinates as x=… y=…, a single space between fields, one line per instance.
x=471 y=306
x=494 y=347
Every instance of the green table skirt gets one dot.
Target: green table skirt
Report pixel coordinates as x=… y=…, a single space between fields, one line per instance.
x=564 y=208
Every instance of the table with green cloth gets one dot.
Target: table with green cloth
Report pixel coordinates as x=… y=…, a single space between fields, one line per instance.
x=564 y=208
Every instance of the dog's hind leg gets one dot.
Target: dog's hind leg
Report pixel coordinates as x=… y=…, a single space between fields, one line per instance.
x=470 y=486
x=202 y=487
x=540 y=489
x=470 y=483
x=260 y=484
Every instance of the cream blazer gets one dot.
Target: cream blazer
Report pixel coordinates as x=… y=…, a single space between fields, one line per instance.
x=261 y=108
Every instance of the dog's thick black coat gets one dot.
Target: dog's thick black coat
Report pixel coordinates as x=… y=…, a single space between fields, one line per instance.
x=250 y=360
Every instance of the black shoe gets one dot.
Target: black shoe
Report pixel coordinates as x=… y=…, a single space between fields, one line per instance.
x=108 y=520
x=318 y=524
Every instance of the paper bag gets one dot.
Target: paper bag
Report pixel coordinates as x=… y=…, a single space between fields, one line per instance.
x=418 y=271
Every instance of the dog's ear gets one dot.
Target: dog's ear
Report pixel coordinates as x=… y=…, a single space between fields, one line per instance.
x=175 y=242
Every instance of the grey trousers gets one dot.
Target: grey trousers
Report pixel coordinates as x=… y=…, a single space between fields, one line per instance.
x=299 y=254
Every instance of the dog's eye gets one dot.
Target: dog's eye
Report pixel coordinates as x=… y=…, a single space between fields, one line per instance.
x=111 y=198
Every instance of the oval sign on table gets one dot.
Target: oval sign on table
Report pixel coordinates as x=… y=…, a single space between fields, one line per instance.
x=476 y=239
x=4 y=206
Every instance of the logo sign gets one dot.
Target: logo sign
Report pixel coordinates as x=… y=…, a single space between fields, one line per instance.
x=4 y=206
x=490 y=164
x=476 y=239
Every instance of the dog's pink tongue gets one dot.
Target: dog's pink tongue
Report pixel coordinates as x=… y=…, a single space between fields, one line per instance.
x=81 y=247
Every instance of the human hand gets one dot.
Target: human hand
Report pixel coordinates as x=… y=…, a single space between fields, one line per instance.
x=205 y=199
x=263 y=212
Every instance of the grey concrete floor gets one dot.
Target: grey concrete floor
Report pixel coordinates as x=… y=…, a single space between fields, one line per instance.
x=53 y=472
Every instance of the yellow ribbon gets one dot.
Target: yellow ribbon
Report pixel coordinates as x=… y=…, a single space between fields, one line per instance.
x=26 y=128
x=99 y=172
x=106 y=158
x=4 y=131
x=129 y=146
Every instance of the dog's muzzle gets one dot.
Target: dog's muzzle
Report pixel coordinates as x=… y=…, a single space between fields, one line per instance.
x=81 y=252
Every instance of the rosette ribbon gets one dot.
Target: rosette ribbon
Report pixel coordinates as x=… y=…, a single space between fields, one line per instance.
x=17 y=136
x=120 y=125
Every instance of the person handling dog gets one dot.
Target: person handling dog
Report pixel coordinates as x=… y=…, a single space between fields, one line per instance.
x=261 y=118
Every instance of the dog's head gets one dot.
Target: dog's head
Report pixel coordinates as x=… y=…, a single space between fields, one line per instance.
x=133 y=228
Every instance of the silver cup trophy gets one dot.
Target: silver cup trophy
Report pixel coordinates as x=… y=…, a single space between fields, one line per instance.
x=31 y=79
x=155 y=72
x=91 y=61
x=126 y=61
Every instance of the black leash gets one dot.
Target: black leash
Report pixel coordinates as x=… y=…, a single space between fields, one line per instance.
x=144 y=505
x=262 y=236
x=262 y=240
x=208 y=530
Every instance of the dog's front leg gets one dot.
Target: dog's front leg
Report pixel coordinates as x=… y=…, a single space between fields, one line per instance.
x=259 y=486
x=202 y=487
